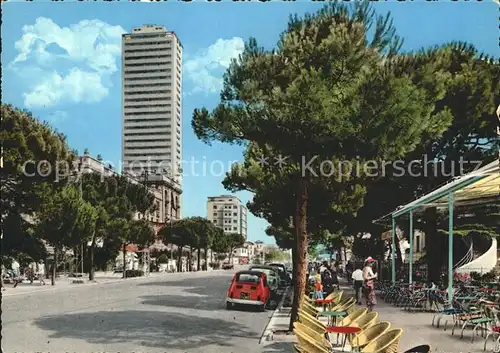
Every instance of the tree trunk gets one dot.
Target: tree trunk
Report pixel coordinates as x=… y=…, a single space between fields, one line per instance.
x=206 y=259
x=301 y=240
x=294 y=260
x=179 y=258
x=198 y=264
x=190 y=258
x=124 y=258
x=91 y=258
x=54 y=267
x=434 y=253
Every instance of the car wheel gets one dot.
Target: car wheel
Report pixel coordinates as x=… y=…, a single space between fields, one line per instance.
x=262 y=307
x=229 y=305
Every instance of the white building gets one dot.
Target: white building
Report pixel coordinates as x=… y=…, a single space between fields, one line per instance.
x=166 y=191
x=151 y=102
x=228 y=213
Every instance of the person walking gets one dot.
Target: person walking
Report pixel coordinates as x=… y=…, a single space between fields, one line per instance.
x=369 y=284
x=41 y=272
x=357 y=278
x=335 y=275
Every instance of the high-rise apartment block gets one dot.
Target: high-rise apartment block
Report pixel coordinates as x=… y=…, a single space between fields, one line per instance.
x=151 y=102
x=228 y=213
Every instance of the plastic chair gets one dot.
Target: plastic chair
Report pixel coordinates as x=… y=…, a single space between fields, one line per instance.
x=319 y=338
x=425 y=348
x=309 y=344
x=386 y=343
x=367 y=320
x=370 y=334
x=346 y=321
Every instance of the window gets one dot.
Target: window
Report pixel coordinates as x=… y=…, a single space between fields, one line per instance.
x=235 y=214
x=247 y=278
x=417 y=240
x=215 y=221
x=235 y=228
x=215 y=207
x=215 y=214
x=235 y=206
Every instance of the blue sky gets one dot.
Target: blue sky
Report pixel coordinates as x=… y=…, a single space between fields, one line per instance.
x=62 y=60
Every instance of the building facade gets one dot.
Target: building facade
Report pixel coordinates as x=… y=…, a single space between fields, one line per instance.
x=228 y=213
x=167 y=193
x=151 y=102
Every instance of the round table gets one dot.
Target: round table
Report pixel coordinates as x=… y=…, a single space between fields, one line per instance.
x=343 y=330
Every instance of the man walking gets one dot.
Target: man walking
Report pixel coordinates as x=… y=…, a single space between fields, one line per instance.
x=357 y=277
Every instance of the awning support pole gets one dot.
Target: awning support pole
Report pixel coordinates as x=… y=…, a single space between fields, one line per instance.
x=411 y=248
x=450 y=245
x=393 y=250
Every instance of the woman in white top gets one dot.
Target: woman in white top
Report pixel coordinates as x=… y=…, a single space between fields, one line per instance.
x=368 y=277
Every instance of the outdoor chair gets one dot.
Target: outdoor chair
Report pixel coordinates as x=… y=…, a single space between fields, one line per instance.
x=386 y=343
x=309 y=344
x=475 y=317
x=367 y=320
x=312 y=322
x=493 y=328
x=320 y=338
x=370 y=334
x=346 y=321
x=425 y=348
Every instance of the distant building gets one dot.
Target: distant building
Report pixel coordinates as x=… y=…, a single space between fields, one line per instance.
x=167 y=193
x=151 y=102
x=228 y=213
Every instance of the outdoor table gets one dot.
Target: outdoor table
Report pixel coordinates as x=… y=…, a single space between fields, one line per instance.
x=343 y=330
x=324 y=302
x=333 y=316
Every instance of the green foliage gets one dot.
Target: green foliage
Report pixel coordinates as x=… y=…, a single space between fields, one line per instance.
x=141 y=233
x=283 y=237
x=235 y=240
x=275 y=255
x=24 y=139
x=66 y=220
x=220 y=242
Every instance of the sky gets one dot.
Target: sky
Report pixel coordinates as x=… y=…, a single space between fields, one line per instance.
x=62 y=62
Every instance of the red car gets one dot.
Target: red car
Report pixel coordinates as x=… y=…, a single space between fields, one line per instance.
x=248 y=288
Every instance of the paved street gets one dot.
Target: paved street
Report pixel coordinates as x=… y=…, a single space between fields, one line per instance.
x=172 y=313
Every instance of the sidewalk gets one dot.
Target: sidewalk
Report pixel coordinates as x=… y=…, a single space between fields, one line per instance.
x=65 y=282
x=417 y=331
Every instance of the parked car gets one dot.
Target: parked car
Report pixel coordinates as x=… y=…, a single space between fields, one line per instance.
x=285 y=277
x=227 y=266
x=272 y=275
x=248 y=288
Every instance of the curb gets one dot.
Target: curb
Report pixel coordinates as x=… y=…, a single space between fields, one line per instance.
x=87 y=283
x=268 y=333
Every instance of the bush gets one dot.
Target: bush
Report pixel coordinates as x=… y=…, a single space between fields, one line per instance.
x=215 y=265
x=134 y=273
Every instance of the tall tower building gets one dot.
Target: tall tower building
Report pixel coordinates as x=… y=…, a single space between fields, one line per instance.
x=228 y=213
x=151 y=102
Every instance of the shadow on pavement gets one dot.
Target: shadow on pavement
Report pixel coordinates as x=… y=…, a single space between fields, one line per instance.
x=202 y=302
x=190 y=282
x=278 y=347
x=144 y=328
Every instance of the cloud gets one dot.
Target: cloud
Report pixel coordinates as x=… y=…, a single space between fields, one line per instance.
x=206 y=69
x=89 y=50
